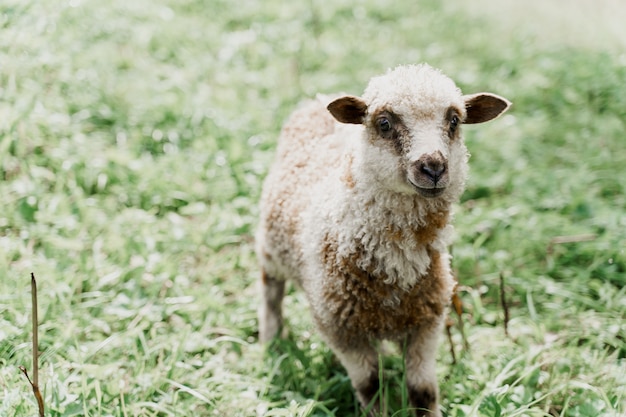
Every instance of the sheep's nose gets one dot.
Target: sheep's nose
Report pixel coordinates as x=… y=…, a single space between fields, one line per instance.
x=433 y=168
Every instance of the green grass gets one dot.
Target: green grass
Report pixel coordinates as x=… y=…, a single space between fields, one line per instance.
x=134 y=137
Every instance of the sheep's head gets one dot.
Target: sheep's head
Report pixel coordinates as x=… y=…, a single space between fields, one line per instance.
x=412 y=117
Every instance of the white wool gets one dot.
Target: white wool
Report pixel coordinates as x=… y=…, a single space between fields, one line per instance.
x=416 y=90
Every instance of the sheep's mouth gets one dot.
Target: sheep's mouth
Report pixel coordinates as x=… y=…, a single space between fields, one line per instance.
x=428 y=192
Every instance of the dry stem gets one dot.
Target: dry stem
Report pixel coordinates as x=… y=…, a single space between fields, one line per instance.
x=34 y=383
x=505 y=306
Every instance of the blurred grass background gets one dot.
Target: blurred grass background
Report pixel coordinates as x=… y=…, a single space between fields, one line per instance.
x=134 y=137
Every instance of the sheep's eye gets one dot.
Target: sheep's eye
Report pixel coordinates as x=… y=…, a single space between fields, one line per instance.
x=384 y=124
x=454 y=122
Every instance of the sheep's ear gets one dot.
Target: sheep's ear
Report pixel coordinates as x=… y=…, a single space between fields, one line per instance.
x=483 y=107
x=348 y=109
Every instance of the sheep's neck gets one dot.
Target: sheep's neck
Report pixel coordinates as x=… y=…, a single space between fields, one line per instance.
x=391 y=246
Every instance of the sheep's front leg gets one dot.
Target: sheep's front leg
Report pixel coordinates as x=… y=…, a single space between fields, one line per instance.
x=420 y=368
x=270 y=310
x=362 y=367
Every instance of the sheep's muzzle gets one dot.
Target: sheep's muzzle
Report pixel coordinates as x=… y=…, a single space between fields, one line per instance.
x=429 y=175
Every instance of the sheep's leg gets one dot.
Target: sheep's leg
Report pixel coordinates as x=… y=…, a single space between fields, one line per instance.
x=270 y=310
x=420 y=368
x=362 y=367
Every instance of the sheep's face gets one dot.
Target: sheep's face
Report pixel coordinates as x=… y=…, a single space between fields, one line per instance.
x=412 y=118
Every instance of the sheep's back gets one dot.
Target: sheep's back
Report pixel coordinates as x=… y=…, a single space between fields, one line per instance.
x=308 y=151
x=307 y=140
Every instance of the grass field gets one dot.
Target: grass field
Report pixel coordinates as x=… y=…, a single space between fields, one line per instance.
x=134 y=138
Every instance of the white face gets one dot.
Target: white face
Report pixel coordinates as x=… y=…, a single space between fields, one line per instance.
x=416 y=152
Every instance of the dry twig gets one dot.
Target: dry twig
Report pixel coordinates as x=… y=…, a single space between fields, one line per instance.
x=449 y=324
x=34 y=383
x=458 y=309
x=505 y=306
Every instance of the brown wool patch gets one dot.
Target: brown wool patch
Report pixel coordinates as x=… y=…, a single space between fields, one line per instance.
x=264 y=278
x=347 y=177
x=355 y=299
x=279 y=219
x=434 y=223
x=394 y=234
x=422 y=235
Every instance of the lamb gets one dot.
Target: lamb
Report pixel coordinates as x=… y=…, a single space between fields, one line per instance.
x=356 y=209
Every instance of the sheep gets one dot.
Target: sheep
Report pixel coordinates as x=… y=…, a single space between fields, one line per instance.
x=356 y=209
